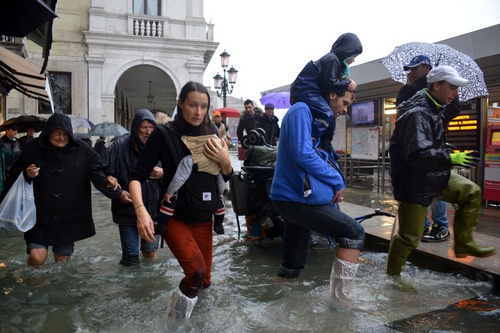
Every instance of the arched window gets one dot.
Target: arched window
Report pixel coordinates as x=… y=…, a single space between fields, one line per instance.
x=147 y=7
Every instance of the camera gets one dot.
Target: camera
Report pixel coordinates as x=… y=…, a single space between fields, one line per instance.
x=255 y=137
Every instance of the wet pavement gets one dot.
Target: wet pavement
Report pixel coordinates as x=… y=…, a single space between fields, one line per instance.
x=364 y=199
x=487 y=232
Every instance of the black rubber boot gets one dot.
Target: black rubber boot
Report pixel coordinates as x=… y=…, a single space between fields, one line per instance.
x=129 y=260
x=288 y=273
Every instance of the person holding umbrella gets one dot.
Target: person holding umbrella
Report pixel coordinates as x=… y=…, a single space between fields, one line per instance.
x=269 y=122
x=5 y=155
x=100 y=145
x=421 y=166
x=416 y=79
x=9 y=141
x=418 y=68
x=11 y=145
x=30 y=135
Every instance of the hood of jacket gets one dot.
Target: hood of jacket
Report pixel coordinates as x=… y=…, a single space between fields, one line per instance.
x=57 y=121
x=346 y=46
x=140 y=115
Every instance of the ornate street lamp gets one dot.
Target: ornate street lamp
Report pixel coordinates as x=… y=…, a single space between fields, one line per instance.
x=221 y=84
x=150 y=96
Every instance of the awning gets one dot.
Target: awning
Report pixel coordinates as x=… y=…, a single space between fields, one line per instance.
x=18 y=73
x=32 y=19
x=20 y=17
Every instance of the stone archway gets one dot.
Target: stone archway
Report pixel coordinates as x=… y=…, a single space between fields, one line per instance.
x=132 y=88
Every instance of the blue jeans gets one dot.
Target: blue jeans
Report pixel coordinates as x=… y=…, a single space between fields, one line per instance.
x=129 y=237
x=300 y=219
x=438 y=214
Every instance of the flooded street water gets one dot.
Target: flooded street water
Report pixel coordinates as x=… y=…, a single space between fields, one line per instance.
x=93 y=293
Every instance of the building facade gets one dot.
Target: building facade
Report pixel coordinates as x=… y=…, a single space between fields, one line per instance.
x=112 y=57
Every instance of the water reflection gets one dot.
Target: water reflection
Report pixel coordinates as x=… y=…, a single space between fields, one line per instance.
x=92 y=293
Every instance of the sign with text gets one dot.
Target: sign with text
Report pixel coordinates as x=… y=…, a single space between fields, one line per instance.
x=463 y=130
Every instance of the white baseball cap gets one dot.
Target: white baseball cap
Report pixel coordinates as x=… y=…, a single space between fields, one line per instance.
x=446 y=73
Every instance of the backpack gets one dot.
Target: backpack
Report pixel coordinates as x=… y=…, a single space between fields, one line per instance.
x=264 y=156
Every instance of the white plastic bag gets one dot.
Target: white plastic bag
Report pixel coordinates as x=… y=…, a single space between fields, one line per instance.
x=17 y=210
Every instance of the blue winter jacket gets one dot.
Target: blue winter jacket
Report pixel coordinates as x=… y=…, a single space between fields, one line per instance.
x=299 y=160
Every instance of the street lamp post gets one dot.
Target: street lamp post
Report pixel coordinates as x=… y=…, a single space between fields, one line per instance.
x=221 y=84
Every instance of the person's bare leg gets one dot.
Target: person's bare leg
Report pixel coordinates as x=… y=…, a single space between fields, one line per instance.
x=59 y=258
x=37 y=257
x=351 y=255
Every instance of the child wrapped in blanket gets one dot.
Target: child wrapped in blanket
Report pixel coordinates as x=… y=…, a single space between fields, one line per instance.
x=183 y=172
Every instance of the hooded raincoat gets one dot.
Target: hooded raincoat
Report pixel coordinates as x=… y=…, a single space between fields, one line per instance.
x=330 y=73
x=62 y=188
x=420 y=161
x=119 y=160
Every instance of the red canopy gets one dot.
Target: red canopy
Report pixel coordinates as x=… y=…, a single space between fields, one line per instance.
x=229 y=112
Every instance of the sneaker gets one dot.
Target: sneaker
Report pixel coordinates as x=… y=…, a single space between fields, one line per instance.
x=426 y=232
x=437 y=234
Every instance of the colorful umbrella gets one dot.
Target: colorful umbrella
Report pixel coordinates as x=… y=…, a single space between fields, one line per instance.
x=440 y=55
x=108 y=129
x=280 y=100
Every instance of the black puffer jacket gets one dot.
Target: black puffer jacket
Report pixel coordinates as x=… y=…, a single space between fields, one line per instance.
x=406 y=92
x=247 y=123
x=270 y=125
x=420 y=161
x=119 y=160
x=62 y=188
